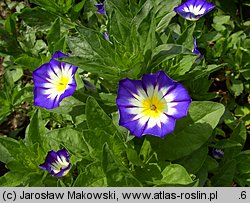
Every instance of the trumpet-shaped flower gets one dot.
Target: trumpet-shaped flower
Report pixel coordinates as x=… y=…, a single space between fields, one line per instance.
x=151 y=105
x=196 y=51
x=100 y=8
x=53 y=82
x=57 y=163
x=194 y=9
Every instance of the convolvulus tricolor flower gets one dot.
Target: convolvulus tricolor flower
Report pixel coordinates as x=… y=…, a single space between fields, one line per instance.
x=53 y=82
x=194 y=9
x=57 y=163
x=151 y=105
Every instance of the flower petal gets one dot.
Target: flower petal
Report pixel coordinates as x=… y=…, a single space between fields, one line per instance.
x=178 y=109
x=59 y=54
x=130 y=92
x=177 y=94
x=166 y=127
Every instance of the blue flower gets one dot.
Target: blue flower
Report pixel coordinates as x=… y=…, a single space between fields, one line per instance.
x=218 y=153
x=100 y=8
x=194 y=9
x=57 y=163
x=196 y=51
x=106 y=35
x=53 y=82
x=151 y=105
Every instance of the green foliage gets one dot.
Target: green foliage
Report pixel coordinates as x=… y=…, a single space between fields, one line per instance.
x=144 y=36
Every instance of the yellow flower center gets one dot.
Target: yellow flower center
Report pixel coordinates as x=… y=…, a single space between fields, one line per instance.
x=61 y=84
x=153 y=106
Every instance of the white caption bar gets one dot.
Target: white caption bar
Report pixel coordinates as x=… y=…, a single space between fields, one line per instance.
x=126 y=194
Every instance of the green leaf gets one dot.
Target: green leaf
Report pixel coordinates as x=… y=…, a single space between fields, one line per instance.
x=10 y=25
x=243 y=162
x=239 y=136
x=54 y=35
x=187 y=39
x=68 y=106
x=92 y=176
x=211 y=164
x=9 y=148
x=242 y=111
x=25 y=94
x=118 y=23
x=35 y=129
x=133 y=157
x=236 y=87
x=225 y=174
x=219 y=21
x=69 y=138
x=60 y=45
x=165 y=52
x=97 y=118
x=117 y=174
x=146 y=152
x=190 y=133
x=76 y=10
x=226 y=143
x=185 y=65
x=9 y=44
x=16 y=73
x=195 y=160
x=145 y=25
x=50 y=5
x=11 y=179
x=78 y=7
x=245 y=73
x=200 y=71
x=95 y=140
x=38 y=17
x=174 y=174
x=96 y=41
x=166 y=13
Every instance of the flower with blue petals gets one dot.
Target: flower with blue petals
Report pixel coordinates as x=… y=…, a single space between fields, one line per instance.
x=194 y=9
x=218 y=153
x=196 y=51
x=57 y=163
x=100 y=8
x=151 y=105
x=53 y=82
x=106 y=35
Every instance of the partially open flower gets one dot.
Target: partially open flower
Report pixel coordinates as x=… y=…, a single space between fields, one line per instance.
x=53 y=82
x=218 y=153
x=151 y=105
x=196 y=51
x=106 y=35
x=100 y=8
x=194 y=9
x=57 y=163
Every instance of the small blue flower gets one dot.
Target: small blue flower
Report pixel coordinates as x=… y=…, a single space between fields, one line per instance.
x=196 y=51
x=151 y=105
x=53 y=82
x=194 y=9
x=218 y=153
x=100 y=8
x=57 y=163
x=106 y=35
